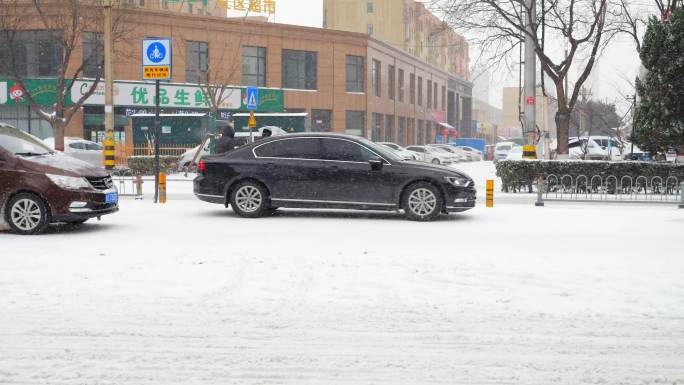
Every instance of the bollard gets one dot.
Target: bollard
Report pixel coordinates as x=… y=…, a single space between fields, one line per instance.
x=681 y=191
x=138 y=187
x=490 y=193
x=540 y=192
x=109 y=151
x=162 y=188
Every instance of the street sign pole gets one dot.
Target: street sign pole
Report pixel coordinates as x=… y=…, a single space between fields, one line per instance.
x=252 y=105
x=157 y=134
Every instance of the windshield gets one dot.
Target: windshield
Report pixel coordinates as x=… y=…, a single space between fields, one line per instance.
x=18 y=142
x=391 y=145
x=517 y=149
x=505 y=147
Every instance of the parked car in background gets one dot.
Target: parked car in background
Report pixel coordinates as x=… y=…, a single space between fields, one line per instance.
x=431 y=155
x=188 y=156
x=502 y=149
x=401 y=151
x=329 y=171
x=40 y=186
x=81 y=149
x=457 y=156
x=475 y=154
x=516 y=153
x=581 y=148
x=611 y=146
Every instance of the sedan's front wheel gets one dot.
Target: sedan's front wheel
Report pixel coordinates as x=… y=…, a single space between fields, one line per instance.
x=249 y=200
x=435 y=161
x=422 y=202
x=27 y=214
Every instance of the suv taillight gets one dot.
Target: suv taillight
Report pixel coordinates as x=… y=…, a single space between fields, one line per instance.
x=202 y=167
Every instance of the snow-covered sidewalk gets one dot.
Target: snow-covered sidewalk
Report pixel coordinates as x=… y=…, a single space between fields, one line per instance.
x=188 y=293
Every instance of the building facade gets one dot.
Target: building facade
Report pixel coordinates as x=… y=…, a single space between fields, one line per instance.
x=404 y=24
x=341 y=81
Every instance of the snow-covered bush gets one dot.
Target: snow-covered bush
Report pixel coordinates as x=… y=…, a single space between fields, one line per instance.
x=520 y=175
x=144 y=165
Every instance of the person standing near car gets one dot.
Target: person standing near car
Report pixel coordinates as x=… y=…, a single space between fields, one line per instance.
x=227 y=142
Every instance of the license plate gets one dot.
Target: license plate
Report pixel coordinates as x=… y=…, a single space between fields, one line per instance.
x=111 y=197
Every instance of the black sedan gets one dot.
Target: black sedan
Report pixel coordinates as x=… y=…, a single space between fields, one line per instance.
x=329 y=171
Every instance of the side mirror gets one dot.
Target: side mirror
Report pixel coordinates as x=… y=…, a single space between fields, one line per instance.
x=375 y=163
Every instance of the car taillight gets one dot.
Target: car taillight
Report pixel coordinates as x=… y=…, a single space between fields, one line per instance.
x=202 y=166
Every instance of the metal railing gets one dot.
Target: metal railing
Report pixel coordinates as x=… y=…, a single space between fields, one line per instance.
x=128 y=184
x=610 y=189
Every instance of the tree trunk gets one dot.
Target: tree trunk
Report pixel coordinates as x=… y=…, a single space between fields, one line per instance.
x=563 y=132
x=58 y=131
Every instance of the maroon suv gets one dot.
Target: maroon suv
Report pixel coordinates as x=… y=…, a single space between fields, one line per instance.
x=39 y=186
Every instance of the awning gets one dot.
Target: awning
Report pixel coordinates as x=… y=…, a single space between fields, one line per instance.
x=448 y=126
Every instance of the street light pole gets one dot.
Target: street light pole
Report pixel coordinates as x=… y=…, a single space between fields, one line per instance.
x=109 y=86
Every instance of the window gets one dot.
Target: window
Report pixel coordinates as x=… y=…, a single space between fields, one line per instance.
x=356 y=74
x=77 y=146
x=401 y=85
x=296 y=148
x=377 y=127
x=369 y=7
x=300 y=69
x=36 y=54
x=421 y=132
x=390 y=82
x=254 y=66
x=355 y=123
x=412 y=88
x=376 y=78
x=369 y=29
x=93 y=55
x=429 y=94
x=443 y=98
x=345 y=151
x=389 y=128
x=420 y=91
x=401 y=131
x=196 y=61
x=434 y=96
x=189 y=7
x=321 y=120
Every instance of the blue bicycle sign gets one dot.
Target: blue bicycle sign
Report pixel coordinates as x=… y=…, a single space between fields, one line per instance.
x=156 y=52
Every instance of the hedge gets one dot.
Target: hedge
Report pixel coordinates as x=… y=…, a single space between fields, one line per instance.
x=518 y=175
x=144 y=165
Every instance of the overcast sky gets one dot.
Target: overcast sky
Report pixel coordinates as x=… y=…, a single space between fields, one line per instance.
x=617 y=66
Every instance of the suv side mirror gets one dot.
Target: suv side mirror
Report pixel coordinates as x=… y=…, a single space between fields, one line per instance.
x=375 y=163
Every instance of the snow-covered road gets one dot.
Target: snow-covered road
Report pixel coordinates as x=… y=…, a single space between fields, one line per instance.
x=188 y=293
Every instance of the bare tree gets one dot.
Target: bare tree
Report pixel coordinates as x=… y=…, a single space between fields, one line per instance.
x=64 y=23
x=567 y=34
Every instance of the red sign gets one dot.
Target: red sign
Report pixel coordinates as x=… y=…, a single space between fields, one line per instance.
x=530 y=101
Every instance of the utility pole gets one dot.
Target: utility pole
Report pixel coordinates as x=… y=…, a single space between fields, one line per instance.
x=109 y=85
x=530 y=74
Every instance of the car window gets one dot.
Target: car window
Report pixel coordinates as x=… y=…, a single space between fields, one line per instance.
x=344 y=150
x=16 y=142
x=294 y=148
x=466 y=148
x=391 y=145
x=416 y=149
x=573 y=144
x=504 y=148
x=77 y=146
x=93 y=147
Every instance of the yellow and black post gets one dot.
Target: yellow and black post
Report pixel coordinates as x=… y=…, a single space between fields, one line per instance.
x=529 y=152
x=109 y=152
x=252 y=125
x=490 y=193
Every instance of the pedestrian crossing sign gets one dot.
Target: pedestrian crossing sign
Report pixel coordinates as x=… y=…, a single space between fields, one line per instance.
x=252 y=99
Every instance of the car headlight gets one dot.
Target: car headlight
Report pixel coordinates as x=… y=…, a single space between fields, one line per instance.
x=457 y=181
x=69 y=182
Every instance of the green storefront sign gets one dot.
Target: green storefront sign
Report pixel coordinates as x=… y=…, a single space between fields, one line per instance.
x=43 y=92
x=136 y=94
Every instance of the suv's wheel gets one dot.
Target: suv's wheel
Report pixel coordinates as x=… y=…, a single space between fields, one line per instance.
x=422 y=202
x=435 y=161
x=26 y=214
x=249 y=199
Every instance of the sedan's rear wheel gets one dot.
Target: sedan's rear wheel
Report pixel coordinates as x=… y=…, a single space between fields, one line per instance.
x=422 y=202
x=435 y=161
x=27 y=214
x=249 y=200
